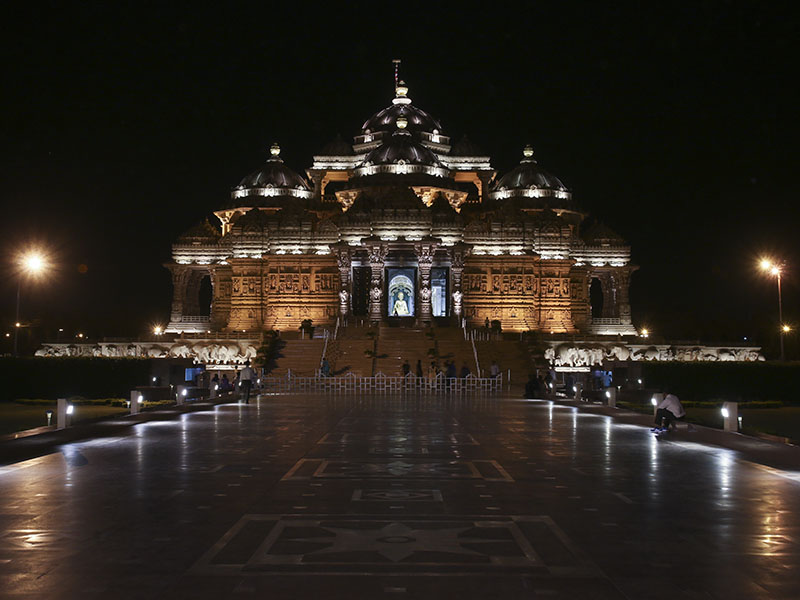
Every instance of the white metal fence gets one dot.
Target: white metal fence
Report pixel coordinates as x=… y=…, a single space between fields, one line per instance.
x=383 y=384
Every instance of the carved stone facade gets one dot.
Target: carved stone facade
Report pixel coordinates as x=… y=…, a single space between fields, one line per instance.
x=401 y=224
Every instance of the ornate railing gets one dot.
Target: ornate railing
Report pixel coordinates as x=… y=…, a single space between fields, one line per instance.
x=382 y=384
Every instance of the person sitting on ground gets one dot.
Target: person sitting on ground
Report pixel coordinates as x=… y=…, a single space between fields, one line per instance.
x=668 y=411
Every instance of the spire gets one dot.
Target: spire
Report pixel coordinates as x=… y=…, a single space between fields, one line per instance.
x=396 y=63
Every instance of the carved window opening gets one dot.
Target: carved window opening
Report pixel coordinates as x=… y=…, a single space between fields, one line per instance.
x=204 y=295
x=596 y=298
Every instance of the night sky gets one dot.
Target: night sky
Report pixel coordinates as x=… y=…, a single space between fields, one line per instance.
x=123 y=125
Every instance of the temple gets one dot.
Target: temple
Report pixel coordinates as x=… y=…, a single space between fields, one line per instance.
x=402 y=226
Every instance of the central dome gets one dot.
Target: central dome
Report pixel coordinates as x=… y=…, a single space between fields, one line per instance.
x=402 y=149
x=418 y=119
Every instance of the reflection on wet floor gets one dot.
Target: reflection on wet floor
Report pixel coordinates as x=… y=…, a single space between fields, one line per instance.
x=360 y=497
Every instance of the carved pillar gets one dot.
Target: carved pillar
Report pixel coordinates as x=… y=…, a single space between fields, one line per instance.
x=343 y=261
x=457 y=254
x=425 y=251
x=377 y=255
x=623 y=282
x=485 y=178
x=316 y=178
x=180 y=280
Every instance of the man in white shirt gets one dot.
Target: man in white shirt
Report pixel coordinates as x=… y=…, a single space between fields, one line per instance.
x=668 y=411
x=246 y=381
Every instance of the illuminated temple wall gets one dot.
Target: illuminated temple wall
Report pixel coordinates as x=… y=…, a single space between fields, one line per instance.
x=401 y=199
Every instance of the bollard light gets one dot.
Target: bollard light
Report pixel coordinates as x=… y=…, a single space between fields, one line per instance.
x=49 y=414
x=184 y=392
x=216 y=387
x=725 y=412
x=653 y=401
x=141 y=399
x=154 y=379
x=574 y=388
x=608 y=394
x=640 y=381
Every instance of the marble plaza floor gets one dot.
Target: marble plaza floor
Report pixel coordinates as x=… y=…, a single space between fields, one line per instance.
x=302 y=497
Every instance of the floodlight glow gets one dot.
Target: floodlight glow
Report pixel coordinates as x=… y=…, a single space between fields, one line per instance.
x=608 y=394
x=725 y=413
x=786 y=329
x=70 y=409
x=765 y=264
x=154 y=379
x=140 y=399
x=653 y=401
x=575 y=388
x=640 y=381
x=184 y=392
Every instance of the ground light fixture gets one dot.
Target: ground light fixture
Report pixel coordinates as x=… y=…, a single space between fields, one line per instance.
x=49 y=414
x=70 y=409
x=725 y=413
x=653 y=401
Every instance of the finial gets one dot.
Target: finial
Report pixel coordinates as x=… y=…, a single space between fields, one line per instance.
x=396 y=63
x=527 y=151
x=401 y=89
x=275 y=150
x=401 y=122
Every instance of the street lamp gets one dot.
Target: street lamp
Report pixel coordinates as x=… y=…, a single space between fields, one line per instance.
x=32 y=264
x=776 y=269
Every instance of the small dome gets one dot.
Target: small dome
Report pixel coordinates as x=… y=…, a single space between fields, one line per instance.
x=418 y=119
x=337 y=147
x=401 y=149
x=201 y=232
x=273 y=179
x=529 y=175
x=601 y=234
x=465 y=147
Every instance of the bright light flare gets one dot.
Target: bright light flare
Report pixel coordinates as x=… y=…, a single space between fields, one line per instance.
x=786 y=328
x=33 y=262
x=158 y=329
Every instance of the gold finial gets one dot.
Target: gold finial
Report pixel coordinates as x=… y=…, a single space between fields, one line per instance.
x=401 y=122
x=275 y=150
x=527 y=152
x=401 y=89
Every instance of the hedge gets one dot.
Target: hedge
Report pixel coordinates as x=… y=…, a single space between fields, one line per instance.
x=53 y=378
x=732 y=381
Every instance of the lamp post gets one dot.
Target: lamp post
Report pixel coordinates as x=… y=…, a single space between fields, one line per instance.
x=776 y=269
x=31 y=263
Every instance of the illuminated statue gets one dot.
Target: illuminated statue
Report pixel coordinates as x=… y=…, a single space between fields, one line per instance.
x=400 y=306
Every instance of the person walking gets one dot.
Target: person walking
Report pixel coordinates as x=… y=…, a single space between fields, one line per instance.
x=246 y=381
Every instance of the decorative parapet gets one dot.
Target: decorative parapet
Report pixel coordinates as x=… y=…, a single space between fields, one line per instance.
x=582 y=357
x=208 y=352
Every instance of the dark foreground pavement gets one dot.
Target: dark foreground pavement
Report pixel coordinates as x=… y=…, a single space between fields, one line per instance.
x=297 y=497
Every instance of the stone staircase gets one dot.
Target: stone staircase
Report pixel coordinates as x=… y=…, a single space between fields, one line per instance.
x=512 y=355
x=346 y=354
x=452 y=346
x=301 y=356
x=397 y=344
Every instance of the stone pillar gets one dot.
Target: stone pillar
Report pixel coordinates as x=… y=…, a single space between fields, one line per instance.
x=457 y=254
x=425 y=251
x=485 y=179
x=377 y=255
x=623 y=304
x=180 y=281
x=344 y=260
